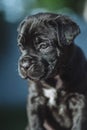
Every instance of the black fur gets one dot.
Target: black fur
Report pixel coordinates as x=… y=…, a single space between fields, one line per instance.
x=51 y=61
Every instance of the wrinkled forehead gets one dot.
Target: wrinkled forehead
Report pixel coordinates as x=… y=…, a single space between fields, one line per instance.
x=37 y=30
x=34 y=23
x=36 y=33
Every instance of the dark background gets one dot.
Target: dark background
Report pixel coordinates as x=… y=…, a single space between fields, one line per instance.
x=13 y=89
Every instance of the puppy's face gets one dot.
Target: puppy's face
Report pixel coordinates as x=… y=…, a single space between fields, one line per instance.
x=44 y=41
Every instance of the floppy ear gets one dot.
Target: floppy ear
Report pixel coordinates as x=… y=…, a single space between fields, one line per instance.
x=67 y=29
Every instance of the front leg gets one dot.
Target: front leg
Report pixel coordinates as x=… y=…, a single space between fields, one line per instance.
x=34 y=108
x=77 y=106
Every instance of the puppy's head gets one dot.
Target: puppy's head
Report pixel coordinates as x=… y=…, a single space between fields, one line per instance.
x=45 y=41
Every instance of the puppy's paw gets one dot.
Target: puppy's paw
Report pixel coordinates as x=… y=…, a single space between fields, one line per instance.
x=76 y=102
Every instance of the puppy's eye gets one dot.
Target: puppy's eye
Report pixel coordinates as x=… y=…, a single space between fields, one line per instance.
x=43 y=46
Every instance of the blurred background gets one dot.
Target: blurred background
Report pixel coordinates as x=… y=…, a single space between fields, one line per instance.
x=13 y=89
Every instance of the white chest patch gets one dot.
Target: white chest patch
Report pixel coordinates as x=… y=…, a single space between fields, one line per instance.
x=51 y=95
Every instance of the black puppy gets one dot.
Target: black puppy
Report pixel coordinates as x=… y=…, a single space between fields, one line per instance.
x=56 y=70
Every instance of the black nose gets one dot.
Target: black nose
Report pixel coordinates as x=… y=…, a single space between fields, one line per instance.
x=25 y=62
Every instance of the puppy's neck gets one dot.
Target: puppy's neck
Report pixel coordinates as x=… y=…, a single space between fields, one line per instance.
x=54 y=82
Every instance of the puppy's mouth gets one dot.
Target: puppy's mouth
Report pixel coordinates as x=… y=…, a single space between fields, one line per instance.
x=33 y=72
